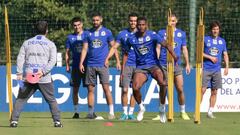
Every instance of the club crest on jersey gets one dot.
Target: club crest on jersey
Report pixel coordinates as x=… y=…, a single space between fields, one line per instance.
x=148 y=38
x=103 y=33
x=213 y=51
x=96 y=43
x=143 y=50
x=220 y=42
x=208 y=44
x=179 y=34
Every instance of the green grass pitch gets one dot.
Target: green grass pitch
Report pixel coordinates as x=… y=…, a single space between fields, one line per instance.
x=40 y=123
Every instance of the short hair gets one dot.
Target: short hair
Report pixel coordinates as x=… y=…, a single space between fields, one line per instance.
x=94 y=14
x=215 y=24
x=173 y=14
x=41 y=27
x=132 y=15
x=142 y=19
x=76 y=19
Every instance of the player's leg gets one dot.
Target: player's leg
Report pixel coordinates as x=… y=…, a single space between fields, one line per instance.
x=104 y=80
x=139 y=78
x=125 y=81
x=132 y=100
x=75 y=83
x=158 y=74
x=216 y=84
x=23 y=95
x=131 y=108
x=124 y=84
x=205 y=82
x=47 y=91
x=178 y=81
x=90 y=82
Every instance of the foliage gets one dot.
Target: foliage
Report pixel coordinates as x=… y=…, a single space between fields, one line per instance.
x=23 y=14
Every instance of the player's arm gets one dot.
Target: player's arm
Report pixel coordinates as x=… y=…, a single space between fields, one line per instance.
x=67 y=59
x=83 y=56
x=20 y=62
x=170 y=49
x=226 y=61
x=124 y=60
x=158 y=50
x=112 y=51
x=213 y=59
x=186 y=59
x=51 y=61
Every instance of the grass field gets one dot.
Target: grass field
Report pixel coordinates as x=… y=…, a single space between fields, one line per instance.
x=40 y=123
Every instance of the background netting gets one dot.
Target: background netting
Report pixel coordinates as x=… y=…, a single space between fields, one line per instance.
x=24 y=14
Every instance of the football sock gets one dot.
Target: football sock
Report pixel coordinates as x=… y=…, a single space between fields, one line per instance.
x=125 y=109
x=111 y=110
x=162 y=107
x=131 y=110
x=182 y=108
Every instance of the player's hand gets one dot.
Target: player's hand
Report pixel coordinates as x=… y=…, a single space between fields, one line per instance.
x=121 y=77
x=67 y=68
x=106 y=63
x=188 y=69
x=175 y=58
x=19 y=77
x=118 y=66
x=40 y=73
x=214 y=59
x=82 y=69
x=226 y=71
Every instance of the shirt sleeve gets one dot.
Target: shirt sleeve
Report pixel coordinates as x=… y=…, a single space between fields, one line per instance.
x=68 y=44
x=110 y=36
x=86 y=37
x=52 y=59
x=224 y=46
x=127 y=46
x=21 y=59
x=159 y=39
x=118 y=38
x=184 y=39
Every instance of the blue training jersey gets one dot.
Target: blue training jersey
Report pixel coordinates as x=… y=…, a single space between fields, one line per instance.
x=74 y=43
x=122 y=39
x=215 y=48
x=179 y=42
x=144 y=48
x=98 y=43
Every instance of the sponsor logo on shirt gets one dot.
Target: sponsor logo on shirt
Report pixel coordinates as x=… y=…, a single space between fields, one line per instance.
x=96 y=33
x=140 y=40
x=96 y=43
x=143 y=50
x=79 y=37
x=213 y=51
x=214 y=41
